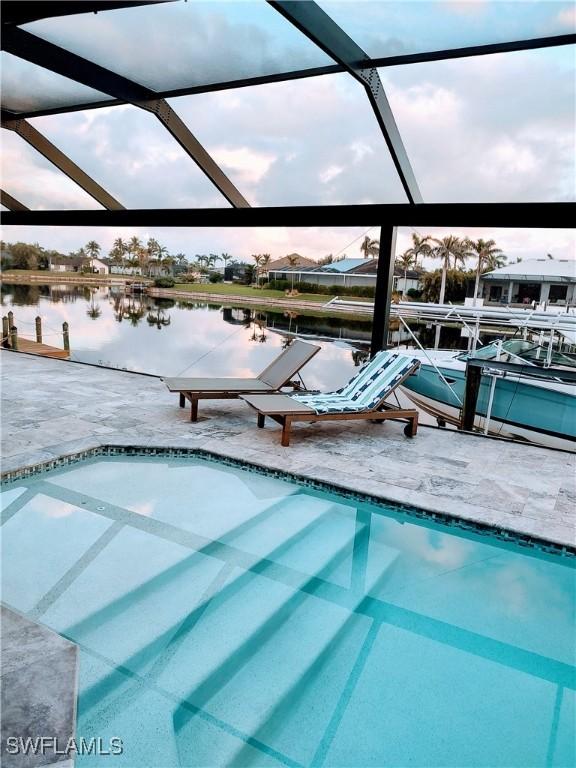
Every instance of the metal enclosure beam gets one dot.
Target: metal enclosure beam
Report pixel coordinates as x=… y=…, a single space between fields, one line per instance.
x=63 y=162
x=190 y=144
x=383 y=292
x=11 y=203
x=312 y=21
x=44 y=54
x=18 y=12
x=474 y=50
x=521 y=215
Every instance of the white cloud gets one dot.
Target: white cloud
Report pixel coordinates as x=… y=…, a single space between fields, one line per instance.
x=251 y=166
x=330 y=173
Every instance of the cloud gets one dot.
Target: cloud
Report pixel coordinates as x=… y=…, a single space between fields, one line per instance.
x=180 y=44
x=474 y=131
x=567 y=17
x=35 y=182
x=330 y=173
x=250 y=166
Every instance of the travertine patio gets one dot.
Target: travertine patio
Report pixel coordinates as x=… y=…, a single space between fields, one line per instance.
x=53 y=407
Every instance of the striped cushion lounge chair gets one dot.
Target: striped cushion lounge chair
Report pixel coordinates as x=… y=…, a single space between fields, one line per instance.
x=277 y=375
x=362 y=398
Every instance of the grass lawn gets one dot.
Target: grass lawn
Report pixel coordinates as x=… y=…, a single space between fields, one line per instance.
x=245 y=290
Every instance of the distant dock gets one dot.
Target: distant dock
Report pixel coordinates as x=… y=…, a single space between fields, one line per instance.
x=15 y=341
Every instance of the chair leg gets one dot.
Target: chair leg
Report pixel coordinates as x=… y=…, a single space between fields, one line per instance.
x=261 y=420
x=412 y=427
x=194 y=409
x=286 y=425
x=182 y=400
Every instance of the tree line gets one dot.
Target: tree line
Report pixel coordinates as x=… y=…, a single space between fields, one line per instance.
x=453 y=252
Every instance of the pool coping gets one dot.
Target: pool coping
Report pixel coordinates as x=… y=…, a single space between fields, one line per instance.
x=470 y=525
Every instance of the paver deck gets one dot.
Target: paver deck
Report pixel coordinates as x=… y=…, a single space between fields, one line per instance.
x=55 y=407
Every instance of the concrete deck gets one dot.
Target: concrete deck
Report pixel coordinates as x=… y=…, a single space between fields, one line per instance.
x=54 y=407
x=39 y=671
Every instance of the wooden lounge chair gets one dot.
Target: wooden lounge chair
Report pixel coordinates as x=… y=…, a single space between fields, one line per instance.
x=277 y=375
x=362 y=398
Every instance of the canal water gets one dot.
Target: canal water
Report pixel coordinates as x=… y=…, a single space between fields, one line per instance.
x=171 y=337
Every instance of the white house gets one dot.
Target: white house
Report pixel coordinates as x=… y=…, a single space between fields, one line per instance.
x=542 y=280
x=99 y=267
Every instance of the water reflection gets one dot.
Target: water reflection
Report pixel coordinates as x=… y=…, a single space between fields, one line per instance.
x=171 y=337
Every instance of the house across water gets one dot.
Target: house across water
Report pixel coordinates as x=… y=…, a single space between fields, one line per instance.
x=541 y=280
x=346 y=273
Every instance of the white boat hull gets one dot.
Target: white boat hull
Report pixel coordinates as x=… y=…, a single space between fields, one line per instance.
x=451 y=415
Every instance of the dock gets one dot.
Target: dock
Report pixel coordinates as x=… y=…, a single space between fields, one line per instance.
x=35 y=348
x=13 y=340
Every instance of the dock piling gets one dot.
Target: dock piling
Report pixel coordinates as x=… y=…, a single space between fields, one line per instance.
x=66 y=336
x=39 y=329
x=14 y=338
x=473 y=378
x=5 y=331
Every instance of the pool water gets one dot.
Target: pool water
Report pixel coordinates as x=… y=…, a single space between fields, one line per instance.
x=226 y=617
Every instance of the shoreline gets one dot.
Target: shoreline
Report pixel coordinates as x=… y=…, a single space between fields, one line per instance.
x=236 y=300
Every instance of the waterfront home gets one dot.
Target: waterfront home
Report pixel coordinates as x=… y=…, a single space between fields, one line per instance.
x=78 y=264
x=346 y=273
x=540 y=280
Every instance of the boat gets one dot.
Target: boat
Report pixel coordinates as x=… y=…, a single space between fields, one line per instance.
x=516 y=403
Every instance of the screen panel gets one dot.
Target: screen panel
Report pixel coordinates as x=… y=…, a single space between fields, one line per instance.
x=496 y=128
x=27 y=87
x=395 y=27
x=174 y=45
x=132 y=156
x=304 y=142
x=35 y=182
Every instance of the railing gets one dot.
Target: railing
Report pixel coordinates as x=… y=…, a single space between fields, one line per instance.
x=11 y=339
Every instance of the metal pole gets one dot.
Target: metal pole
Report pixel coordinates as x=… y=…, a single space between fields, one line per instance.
x=383 y=292
x=14 y=338
x=66 y=336
x=39 y=329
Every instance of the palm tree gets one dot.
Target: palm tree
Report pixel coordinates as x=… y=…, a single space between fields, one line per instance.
x=134 y=249
x=488 y=258
x=292 y=262
x=158 y=317
x=257 y=259
x=119 y=249
x=370 y=247
x=226 y=257
x=93 y=310
x=420 y=247
x=264 y=261
x=450 y=247
x=405 y=262
x=93 y=250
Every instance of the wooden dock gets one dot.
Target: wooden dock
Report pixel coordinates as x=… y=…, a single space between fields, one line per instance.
x=11 y=339
x=35 y=348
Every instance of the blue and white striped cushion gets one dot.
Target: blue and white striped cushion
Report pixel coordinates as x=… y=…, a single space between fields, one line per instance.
x=373 y=383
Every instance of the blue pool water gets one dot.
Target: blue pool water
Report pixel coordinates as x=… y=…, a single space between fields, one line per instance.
x=230 y=618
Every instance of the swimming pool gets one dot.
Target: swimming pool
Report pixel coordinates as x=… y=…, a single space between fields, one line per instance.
x=227 y=617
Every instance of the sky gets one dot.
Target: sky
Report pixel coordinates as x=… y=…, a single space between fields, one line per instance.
x=498 y=128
